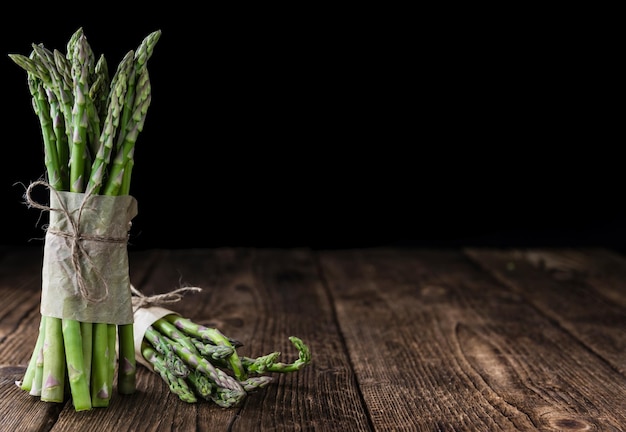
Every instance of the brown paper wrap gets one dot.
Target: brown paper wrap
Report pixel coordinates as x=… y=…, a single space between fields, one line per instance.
x=147 y=311
x=85 y=273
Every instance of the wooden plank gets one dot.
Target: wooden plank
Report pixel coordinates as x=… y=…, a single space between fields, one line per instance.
x=602 y=269
x=438 y=344
x=18 y=410
x=557 y=282
x=20 y=289
x=294 y=301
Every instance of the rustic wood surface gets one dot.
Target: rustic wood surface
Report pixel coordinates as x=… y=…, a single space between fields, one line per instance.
x=401 y=340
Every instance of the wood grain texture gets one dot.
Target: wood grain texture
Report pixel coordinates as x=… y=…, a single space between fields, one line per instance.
x=570 y=289
x=448 y=347
x=20 y=289
x=415 y=340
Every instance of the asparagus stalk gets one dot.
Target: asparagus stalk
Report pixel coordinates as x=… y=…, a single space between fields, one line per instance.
x=176 y=384
x=200 y=364
x=174 y=363
x=201 y=384
x=100 y=384
x=79 y=385
x=62 y=149
x=111 y=353
x=86 y=330
x=227 y=398
x=212 y=335
x=256 y=383
x=42 y=108
x=29 y=375
x=269 y=362
x=173 y=334
x=80 y=117
x=56 y=82
x=304 y=358
x=128 y=364
x=52 y=389
x=127 y=371
x=71 y=44
x=141 y=56
x=216 y=352
x=99 y=90
x=260 y=364
x=63 y=68
x=38 y=378
x=111 y=124
x=129 y=137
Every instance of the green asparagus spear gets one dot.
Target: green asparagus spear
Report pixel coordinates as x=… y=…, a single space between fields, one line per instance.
x=80 y=117
x=256 y=383
x=53 y=383
x=99 y=90
x=128 y=137
x=79 y=385
x=37 y=383
x=173 y=333
x=212 y=335
x=176 y=384
x=215 y=352
x=100 y=383
x=127 y=371
x=57 y=83
x=174 y=363
x=201 y=384
x=227 y=398
x=29 y=375
x=200 y=364
x=110 y=127
x=260 y=364
x=43 y=109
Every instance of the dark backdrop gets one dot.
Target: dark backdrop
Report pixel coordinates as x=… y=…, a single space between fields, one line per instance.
x=332 y=129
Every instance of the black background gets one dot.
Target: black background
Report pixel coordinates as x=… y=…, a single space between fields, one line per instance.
x=334 y=129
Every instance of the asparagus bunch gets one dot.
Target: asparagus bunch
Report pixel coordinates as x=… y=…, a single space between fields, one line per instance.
x=89 y=123
x=199 y=362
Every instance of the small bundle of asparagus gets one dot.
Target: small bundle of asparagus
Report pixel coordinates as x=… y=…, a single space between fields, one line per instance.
x=89 y=124
x=199 y=362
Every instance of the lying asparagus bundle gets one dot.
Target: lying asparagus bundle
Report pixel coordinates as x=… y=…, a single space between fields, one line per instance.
x=89 y=124
x=199 y=362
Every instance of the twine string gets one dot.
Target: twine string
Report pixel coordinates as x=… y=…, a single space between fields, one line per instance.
x=76 y=239
x=140 y=300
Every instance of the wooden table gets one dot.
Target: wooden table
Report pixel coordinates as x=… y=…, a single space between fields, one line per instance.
x=401 y=339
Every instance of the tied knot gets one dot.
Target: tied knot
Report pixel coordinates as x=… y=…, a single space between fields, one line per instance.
x=140 y=300
x=75 y=240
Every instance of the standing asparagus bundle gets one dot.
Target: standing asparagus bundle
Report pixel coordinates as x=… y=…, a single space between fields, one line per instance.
x=89 y=125
x=198 y=361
